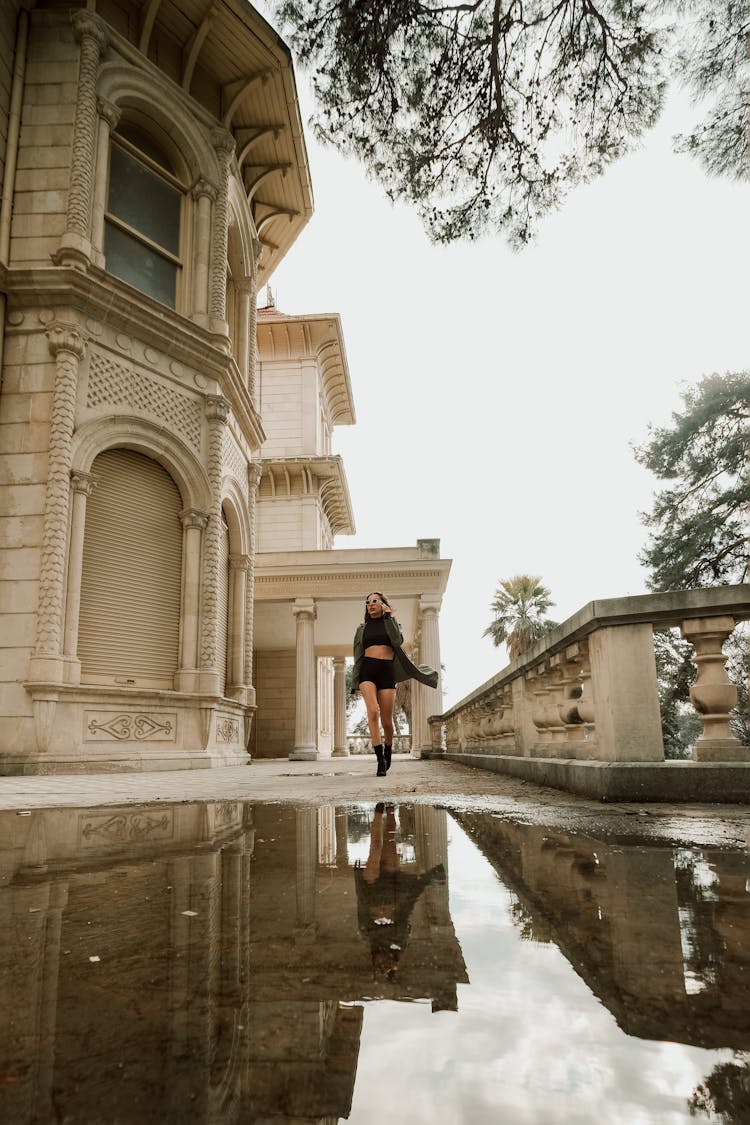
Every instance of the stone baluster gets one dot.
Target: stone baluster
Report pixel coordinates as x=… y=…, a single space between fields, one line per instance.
x=507 y=724
x=67 y=346
x=571 y=689
x=305 y=744
x=217 y=413
x=585 y=705
x=436 y=736
x=75 y=245
x=712 y=694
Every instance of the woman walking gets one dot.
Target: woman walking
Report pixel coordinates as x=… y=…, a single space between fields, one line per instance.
x=379 y=664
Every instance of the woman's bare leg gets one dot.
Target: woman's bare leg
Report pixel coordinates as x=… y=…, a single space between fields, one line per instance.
x=370 y=696
x=386 y=698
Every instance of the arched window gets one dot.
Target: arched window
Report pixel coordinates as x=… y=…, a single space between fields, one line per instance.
x=131 y=574
x=143 y=217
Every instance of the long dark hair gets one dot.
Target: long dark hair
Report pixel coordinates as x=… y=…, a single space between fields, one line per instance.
x=382 y=597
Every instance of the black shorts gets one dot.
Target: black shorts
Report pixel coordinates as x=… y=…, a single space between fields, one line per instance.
x=376 y=671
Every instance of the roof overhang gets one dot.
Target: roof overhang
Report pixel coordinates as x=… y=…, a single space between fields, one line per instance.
x=228 y=47
x=283 y=338
x=310 y=476
x=338 y=582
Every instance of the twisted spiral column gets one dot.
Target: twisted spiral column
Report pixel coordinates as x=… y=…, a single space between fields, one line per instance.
x=75 y=245
x=224 y=144
x=217 y=412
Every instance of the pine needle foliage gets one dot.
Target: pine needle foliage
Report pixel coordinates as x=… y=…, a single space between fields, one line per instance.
x=698 y=520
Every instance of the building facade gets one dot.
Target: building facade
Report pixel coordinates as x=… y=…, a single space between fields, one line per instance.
x=154 y=174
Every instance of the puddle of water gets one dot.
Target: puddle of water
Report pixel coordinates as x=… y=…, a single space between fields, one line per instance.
x=233 y=963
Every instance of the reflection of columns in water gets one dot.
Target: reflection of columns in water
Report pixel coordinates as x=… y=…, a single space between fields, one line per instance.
x=307 y=859
x=232 y=865
x=431 y=846
x=326 y=836
x=340 y=748
x=342 y=837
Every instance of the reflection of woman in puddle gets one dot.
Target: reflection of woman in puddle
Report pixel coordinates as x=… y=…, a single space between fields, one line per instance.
x=386 y=895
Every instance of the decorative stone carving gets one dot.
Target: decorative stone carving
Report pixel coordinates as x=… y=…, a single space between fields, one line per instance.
x=130 y=727
x=227 y=730
x=75 y=246
x=125 y=828
x=224 y=144
x=67 y=346
x=112 y=384
x=217 y=413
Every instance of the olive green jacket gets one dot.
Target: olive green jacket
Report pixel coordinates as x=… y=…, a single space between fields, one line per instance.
x=403 y=669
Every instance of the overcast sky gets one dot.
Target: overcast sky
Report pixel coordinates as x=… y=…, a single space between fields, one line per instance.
x=498 y=394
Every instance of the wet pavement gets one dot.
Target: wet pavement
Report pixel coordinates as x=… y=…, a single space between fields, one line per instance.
x=484 y=952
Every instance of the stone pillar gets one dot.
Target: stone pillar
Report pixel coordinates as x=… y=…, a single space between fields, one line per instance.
x=82 y=485
x=246 y=324
x=224 y=144
x=238 y=568
x=305 y=748
x=426 y=701
x=75 y=244
x=67 y=346
x=342 y=837
x=252 y=342
x=205 y=195
x=193 y=525
x=713 y=695
x=253 y=480
x=109 y=116
x=340 y=748
x=217 y=412
x=625 y=694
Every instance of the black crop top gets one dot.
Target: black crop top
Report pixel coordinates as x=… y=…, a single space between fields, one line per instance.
x=375 y=633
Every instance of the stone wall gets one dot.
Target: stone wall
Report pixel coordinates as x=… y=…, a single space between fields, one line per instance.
x=275 y=679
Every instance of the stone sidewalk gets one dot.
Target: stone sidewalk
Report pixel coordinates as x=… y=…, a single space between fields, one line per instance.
x=343 y=781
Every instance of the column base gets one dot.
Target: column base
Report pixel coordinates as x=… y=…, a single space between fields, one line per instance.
x=340 y=754
x=720 y=750
x=304 y=754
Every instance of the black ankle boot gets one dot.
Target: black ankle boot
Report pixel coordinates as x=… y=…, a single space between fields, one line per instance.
x=381 y=771
x=387 y=750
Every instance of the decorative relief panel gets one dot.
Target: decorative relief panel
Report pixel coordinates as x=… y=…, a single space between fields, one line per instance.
x=135 y=726
x=227 y=730
x=227 y=812
x=114 y=384
x=95 y=829
x=235 y=462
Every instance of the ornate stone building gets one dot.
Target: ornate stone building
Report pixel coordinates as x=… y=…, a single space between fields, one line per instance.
x=154 y=174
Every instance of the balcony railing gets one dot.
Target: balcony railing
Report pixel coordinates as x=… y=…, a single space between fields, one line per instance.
x=588 y=690
x=360 y=744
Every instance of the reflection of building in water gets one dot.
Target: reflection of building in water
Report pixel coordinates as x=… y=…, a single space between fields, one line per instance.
x=193 y=962
x=660 y=935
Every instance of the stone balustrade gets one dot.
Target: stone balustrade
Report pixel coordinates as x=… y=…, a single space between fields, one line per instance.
x=586 y=696
x=360 y=744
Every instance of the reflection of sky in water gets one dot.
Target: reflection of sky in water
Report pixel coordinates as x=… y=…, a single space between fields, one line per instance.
x=529 y=1043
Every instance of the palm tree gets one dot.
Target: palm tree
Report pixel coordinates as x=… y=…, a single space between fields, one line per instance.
x=519 y=606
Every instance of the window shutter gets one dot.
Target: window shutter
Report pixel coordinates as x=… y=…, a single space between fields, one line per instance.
x=131 y=576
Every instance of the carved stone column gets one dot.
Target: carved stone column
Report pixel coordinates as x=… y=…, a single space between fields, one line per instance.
x=712 y=694
x=109 y=116
x=340 y=748
x=67 y=346
x=427 y=701
x=305 y=747
x=82 y=485
x=307 y=862
x=252 y=341
x=193 y=525
x=217 y=412
x=245 y=289
x=75 y=245
x=204 y=194
x=224 y=144
x=238 y=569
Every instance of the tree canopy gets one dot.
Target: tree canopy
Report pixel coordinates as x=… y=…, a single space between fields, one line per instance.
x=483 y=115
x=698 y=520
x=518 y=608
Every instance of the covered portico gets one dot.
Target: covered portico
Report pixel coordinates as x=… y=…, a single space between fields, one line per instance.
x=307 y=607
